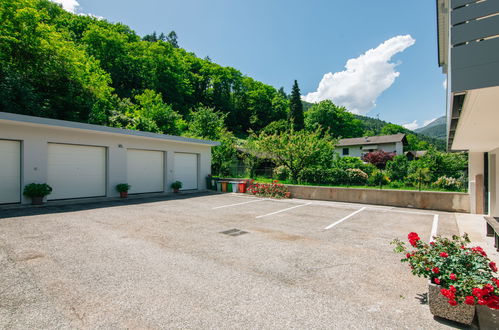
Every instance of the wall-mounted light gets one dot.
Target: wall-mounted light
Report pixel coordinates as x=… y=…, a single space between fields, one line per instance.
x=120 y=146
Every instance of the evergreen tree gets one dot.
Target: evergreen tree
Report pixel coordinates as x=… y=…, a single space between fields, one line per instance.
x=296 y=108
x=172 y=39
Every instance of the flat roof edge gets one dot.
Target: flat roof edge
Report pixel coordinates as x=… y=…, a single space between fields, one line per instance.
x=103 y=129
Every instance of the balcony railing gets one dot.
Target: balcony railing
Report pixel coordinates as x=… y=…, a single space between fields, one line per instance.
x=474 y=40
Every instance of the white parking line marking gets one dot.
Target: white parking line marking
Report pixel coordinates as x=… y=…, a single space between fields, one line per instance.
x=345 y=218
x=251 y=201
x=284 y=210
x=434 y=227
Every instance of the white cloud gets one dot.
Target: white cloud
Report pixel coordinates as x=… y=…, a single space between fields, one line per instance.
x=445 y=83
x=412 y=126
x=68 y=5
x=428 y=122
x=364 y=77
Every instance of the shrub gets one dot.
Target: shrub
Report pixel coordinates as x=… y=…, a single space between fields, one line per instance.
x=378 y=178
x=176 y=185
x=356 y=176
x=378 y=158
x=274 y=190
x=123 y=187
x=37 y=190
x=314 y=175
x=396 y=184
x=397 y=168
x=419 y=176
x=447 y=183
x=465 y=274
x=281 y=173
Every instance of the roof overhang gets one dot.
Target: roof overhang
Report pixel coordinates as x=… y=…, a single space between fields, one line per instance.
x=6 y=117
x=474 y=126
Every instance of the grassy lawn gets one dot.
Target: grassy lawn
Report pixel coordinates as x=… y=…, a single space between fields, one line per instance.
x=389 y=186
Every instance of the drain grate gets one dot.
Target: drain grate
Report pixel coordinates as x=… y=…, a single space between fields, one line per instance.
x=234 y=232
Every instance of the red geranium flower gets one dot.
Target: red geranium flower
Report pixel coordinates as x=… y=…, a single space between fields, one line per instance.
x=436 y=280
x=408 y=255
x=444 y=254
x=493 y=266
x=469 y=300
x=453 y=276
x=452 y=302
x=477 y=292
x=436 y=270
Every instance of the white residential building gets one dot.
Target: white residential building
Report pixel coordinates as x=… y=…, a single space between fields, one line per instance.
x=357 y=147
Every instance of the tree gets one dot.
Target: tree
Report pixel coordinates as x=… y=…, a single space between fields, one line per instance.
x=390 y=129
x=337 y=120
x=152 y=114
x=378 y=158
x=224 y=155
x=295 y=150
x=206 y=123
x=172 y=39
x=296 y=108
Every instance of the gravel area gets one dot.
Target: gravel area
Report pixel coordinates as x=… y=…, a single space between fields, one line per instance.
x=164 y=263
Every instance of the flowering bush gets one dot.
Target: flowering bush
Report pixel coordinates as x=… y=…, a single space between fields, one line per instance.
x=274 y=189
x=356 y=176
x=378 y=177
x=465 y=274
x=447 y=183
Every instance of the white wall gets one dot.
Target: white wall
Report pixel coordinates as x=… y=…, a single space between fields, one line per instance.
x=356 y=151
x=494 y=183
x=475 y=167
x=36 y=137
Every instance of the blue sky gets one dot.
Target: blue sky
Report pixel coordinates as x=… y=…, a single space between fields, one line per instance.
x=277 y=41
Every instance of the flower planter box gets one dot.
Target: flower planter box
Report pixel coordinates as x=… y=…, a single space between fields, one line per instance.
x=439 y=306
x=488 y=318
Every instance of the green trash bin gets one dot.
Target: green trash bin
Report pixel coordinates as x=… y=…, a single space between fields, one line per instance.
x=229 y=187
x=214 y=183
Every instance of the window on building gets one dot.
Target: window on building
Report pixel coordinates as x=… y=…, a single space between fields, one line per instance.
x=346 y=151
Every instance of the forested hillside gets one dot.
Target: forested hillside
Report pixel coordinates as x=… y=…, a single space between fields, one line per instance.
x=75 y=67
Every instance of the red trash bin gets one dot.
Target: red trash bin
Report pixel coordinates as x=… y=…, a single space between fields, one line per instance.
x=242 y=187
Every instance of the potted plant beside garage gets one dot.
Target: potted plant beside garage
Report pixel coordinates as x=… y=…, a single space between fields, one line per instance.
x=176 y=186
x=123 y=188
x=37 y=191
x=460 y=277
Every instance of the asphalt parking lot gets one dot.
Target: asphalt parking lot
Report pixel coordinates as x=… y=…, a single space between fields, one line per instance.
x=157 y=264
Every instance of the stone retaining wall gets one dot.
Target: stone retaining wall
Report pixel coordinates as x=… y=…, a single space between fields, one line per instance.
x=429 y=200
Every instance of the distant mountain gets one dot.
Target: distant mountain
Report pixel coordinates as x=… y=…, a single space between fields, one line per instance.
x=435 y=129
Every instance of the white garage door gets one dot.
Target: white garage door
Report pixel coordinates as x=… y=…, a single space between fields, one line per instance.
x=10 y=171
x=186 y=170
x=145 y=171
x=76 y=171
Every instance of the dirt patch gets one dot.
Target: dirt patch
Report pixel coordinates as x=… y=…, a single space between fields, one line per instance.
x=30 y=255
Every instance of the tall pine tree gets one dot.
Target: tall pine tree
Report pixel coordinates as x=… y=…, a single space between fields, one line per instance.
x=296 y=108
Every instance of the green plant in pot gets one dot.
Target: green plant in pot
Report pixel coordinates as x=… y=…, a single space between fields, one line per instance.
x=37 y=191
x=123 y=188
x=176 y=186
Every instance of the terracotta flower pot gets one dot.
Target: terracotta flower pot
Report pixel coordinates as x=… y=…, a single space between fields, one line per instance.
x=37 y=200
x=123 y=194
x=439 y=306
x=288 y=194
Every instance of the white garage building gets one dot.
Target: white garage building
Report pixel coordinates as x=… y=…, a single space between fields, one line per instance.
x=81 y=160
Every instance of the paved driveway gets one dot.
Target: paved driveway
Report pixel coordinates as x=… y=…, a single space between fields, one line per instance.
x=153 y=264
